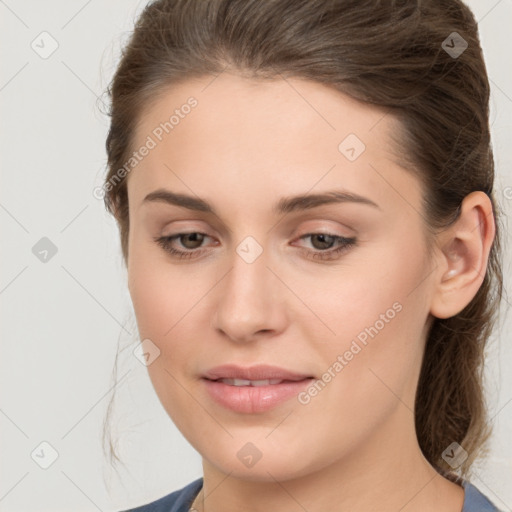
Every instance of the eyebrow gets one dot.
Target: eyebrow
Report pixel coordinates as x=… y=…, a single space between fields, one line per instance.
x=284 y=205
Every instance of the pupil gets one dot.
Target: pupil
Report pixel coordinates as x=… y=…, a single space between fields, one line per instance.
x=194 y=238
x=322 y=238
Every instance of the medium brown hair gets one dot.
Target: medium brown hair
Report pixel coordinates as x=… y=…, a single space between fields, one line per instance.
x=386 y=53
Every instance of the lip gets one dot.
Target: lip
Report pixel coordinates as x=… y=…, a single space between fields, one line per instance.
x=257 y=372
x=253 y=399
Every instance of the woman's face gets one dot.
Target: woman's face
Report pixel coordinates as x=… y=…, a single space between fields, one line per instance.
x=265 y=280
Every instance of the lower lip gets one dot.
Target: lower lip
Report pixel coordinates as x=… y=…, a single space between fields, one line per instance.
x=254 y=399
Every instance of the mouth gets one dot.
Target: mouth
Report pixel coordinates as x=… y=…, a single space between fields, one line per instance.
x=253 y=375
x=254 y=383
x=255 y=389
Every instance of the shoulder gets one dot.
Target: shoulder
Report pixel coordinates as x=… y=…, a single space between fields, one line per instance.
x=475 y=501
x=177 y=501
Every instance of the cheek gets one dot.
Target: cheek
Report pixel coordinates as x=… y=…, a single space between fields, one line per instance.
x=372 y=364
x=161 y=293
x=366 y=290
x=169 y=301
x=379 y=313
x=164 y=303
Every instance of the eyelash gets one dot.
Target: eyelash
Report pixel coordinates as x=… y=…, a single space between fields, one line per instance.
x=346 y=244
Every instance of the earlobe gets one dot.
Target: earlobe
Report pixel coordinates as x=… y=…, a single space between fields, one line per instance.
x=462 y=261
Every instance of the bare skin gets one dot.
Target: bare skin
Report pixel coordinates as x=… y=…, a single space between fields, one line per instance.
x=246 y=145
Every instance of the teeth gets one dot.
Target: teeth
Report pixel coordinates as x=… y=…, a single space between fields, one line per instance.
x=265 y=382
x=241 y=382
x=244 y=382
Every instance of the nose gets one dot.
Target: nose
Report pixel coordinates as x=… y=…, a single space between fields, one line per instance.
x=251 y=301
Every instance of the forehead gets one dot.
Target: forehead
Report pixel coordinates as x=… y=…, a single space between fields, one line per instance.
x=254 y=136
x=285 y=107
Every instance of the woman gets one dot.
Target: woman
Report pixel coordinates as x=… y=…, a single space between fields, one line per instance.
x=304 y=191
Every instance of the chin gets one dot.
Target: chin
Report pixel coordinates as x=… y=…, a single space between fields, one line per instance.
x=268 y=464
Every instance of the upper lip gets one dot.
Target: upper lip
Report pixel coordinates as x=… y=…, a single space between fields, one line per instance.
x=257 y=372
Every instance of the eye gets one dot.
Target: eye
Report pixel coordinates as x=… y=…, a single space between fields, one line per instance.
x=191 y=241
x=322 y=243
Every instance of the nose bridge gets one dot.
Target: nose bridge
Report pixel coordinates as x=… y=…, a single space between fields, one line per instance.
x=247 y=302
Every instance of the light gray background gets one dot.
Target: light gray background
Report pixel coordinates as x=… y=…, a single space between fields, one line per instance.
x=62 y=320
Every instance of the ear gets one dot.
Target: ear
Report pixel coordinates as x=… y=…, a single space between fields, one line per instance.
x=463 y=256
